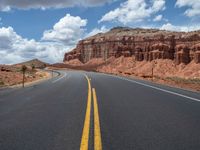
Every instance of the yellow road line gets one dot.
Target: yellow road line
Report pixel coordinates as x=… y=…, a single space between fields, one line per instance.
x=97 y=130
x=86 y=128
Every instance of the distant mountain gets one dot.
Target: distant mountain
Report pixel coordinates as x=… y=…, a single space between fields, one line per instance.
x=35 y=62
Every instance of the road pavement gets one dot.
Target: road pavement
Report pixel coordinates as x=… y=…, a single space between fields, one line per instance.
x=87 y=111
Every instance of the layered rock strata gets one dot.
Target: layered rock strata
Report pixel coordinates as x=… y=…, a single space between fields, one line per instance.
x=143 y=44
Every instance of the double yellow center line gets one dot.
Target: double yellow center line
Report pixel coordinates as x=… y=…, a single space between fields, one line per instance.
x=86 y=128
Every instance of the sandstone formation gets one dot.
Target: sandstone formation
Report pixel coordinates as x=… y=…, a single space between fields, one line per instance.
x=143 y=44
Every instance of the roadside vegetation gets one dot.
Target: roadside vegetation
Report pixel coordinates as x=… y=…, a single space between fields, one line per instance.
x=22 y=73
x=1 y=82
x=190 y=83
x=182 y=80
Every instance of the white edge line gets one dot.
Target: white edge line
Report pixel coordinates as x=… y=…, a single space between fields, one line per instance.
x=153 y=87
x=59 y=78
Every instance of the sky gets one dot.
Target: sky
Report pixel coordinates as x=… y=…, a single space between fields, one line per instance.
x=46 y=29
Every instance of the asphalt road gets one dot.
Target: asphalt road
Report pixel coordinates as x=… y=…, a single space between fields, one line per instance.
x=85 y=110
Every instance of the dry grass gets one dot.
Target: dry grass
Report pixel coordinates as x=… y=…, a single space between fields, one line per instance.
x=182 y=80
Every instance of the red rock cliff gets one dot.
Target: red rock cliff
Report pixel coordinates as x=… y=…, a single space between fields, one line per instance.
x=143 y=44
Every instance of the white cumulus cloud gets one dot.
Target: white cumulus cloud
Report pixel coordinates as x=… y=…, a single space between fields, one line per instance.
x=158 y=18
x=14 y=48
x=134 y=11
x=68 y=30
x=170 y=27
x=193 y=7
x=54 y=43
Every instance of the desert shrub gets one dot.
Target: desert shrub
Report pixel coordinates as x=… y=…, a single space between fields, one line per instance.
x=1 y=83
x=182 y=80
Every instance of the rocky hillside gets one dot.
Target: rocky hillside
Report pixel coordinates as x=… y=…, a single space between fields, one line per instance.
x=12 y=74
x=35 y=62
x=143 y=44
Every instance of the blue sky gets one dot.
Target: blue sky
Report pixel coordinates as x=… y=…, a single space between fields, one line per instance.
x=48 y=29
x=32 y=23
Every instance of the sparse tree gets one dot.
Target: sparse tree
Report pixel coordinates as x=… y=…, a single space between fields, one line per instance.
x=154 y=62
x=23 y=69
x=33 y=67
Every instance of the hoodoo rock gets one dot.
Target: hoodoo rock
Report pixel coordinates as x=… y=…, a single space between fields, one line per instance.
x=195 y=53
x=143 y=44
x=182 y=54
